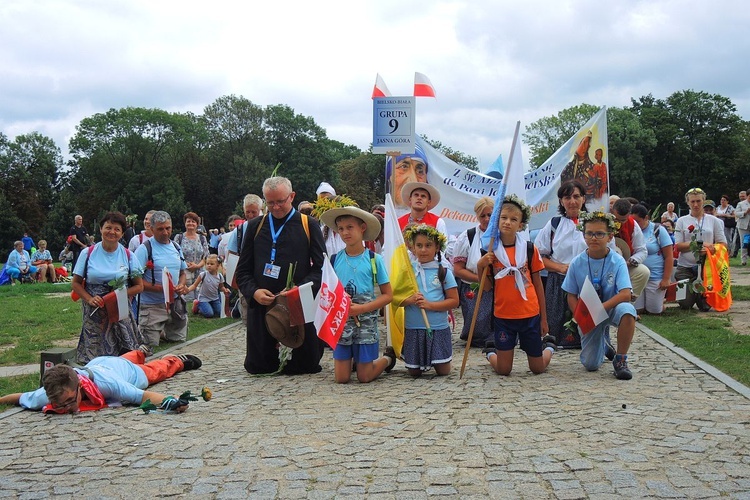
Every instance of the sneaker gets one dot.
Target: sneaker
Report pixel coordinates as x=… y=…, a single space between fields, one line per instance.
x=191 y=362
x=391 y=354
x=622 y=372
x=549 y=341
x=146 y=350
x=489 y=347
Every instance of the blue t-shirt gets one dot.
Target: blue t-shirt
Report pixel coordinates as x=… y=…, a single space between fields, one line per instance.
x=609 y=273
x=41 y=255
x=654 y=244
x=105 y=266
x=117 y=378
x=355 y=274
x=434 y=292
x=164 y=255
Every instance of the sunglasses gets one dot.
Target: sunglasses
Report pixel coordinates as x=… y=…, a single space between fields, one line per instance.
x=696 y=191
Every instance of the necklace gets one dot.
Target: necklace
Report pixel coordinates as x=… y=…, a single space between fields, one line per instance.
x=595 y=278
x=348 y=261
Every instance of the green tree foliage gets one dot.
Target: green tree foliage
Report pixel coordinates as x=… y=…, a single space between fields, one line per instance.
x=29 y=178
x=546 y=135
x=701 y=141
x=363 y=179
x=11 y=228
x=628 y=143
x=462 y=159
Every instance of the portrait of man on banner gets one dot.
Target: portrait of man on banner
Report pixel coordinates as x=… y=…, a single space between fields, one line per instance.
x=409 y=168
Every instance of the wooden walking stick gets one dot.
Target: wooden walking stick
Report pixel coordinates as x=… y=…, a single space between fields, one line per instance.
x=474 y=316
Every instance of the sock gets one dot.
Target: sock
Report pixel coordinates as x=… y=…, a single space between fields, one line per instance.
x=491 y=354
x=618 y=357
x=550 y=349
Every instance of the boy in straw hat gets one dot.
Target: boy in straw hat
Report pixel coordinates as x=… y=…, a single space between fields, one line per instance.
x=360 y=270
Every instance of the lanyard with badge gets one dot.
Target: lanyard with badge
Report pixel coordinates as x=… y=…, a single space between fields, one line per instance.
x=270 y=269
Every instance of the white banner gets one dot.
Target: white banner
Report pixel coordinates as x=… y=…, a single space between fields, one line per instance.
x=583 y=157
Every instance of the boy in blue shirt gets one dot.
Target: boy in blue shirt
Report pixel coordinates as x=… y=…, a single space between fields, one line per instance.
x=359 y=270
x=608 y=272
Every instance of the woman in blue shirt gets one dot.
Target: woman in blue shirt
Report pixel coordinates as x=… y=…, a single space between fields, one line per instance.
x=100 y=269
x=660 y=261
x=19 y=263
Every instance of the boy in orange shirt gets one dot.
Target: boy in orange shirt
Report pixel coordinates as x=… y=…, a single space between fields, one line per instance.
x=519 y=295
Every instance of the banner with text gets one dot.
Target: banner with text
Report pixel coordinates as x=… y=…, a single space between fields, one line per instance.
x=583 y=157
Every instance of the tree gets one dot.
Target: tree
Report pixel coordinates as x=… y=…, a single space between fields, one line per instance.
x=29 y=171
x=546 y=135
x=10 y=230
x=363 y=179
x=628 y=143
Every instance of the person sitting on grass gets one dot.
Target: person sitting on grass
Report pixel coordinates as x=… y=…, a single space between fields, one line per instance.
x=520 y=311
x=608 y=273
x=360 y=270
x=19 y=265
x=42 y=259
x=211 y=283
x=103 y=381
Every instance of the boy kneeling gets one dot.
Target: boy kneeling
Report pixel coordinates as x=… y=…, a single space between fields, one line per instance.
x=608 y=273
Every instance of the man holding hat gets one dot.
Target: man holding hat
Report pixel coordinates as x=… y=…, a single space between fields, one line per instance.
x=420 y=197
x=281 y=240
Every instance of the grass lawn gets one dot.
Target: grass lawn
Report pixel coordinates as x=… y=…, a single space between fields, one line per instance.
x=39 y=316
x=706 y=337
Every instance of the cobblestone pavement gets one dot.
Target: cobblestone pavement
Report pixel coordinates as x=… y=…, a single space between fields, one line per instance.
x=671 y=432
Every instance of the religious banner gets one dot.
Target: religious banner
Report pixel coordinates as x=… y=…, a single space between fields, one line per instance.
x=584 y=157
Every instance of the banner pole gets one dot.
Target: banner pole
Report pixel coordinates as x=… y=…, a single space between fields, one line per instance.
x=474 y=316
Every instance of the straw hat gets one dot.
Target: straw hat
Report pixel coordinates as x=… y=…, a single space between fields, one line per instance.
x=409 y=187
x=373 y=224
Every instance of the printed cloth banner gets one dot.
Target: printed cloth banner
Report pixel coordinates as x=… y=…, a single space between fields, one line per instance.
x=583 y=156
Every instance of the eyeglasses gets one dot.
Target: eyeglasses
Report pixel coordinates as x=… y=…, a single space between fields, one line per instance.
x=696 y=191
x=278 y=203
x=71 y=402
x=599 y=235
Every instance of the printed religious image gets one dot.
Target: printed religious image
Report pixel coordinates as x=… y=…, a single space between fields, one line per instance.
x=592 y=173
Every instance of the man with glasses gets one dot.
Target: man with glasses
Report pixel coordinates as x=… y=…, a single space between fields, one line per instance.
x=282 y=240
x=703 y=230
x=103 y=381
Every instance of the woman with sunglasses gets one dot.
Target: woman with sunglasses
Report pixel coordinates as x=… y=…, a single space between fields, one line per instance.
x=466 y=255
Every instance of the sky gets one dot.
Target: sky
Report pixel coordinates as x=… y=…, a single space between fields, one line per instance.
x=492 y=63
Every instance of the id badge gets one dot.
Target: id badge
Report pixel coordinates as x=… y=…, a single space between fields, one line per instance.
x=272 y=271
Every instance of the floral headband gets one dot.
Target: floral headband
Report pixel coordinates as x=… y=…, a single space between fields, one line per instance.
x=600 y=216
x=525 y=209
x=322 y=205
x=439 y=238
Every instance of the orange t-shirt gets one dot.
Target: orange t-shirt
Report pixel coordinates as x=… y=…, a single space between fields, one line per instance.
x=508 y=301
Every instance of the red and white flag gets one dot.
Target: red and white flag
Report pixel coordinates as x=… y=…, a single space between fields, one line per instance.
x=423 y=86
x=301 y=303
x=589 y=310
x=116 y=304
x=168 y=287
x=332 y=309
x=380 y=89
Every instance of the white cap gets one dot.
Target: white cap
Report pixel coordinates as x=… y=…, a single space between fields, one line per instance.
x=325 y=188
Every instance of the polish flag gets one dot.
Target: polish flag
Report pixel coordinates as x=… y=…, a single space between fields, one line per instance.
x=380 y=89
x=116 y=304
x=332 y=309
x=589 y=310
x=423 y=86
x=301 y=303
x=676 y=291
x=168 y=287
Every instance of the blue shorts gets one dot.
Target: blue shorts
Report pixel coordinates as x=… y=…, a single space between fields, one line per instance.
x=362 y=353
x=528 y=330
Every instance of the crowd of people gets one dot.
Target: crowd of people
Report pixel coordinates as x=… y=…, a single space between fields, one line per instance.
x=517 y=292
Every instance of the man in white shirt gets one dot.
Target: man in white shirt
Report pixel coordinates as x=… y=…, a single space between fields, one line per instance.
x=742 y=214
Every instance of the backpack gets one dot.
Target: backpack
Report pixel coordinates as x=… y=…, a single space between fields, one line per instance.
x=178 y=239
x=555 y=223
x=150 y=257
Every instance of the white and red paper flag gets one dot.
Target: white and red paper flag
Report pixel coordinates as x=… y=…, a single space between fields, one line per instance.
x=423 y=86
x=380 y=89
x=116 y=304
x=332 y=309
x=301 y=303
x=589 y=310
x=167 y=286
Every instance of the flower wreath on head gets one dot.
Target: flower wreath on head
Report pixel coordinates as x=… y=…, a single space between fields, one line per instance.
x=525 y=209
x=410 y=233
x=612 y=225
x=323 y=205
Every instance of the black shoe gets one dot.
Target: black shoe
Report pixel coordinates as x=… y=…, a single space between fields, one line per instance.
x=622 y=372
x=549 y=341
x=489 y=347
x=390 y=354
x=191 y=362
x=609 y=352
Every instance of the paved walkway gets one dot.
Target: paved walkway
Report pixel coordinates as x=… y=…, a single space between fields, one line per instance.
x=673 y=431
